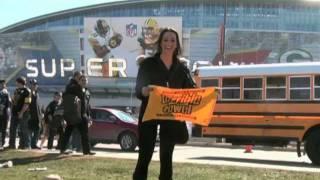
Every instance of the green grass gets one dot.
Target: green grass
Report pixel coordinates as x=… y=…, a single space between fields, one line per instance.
x=98 y=168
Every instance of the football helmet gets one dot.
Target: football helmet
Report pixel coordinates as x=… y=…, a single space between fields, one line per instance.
x=102 y=27
x=150 y=30
x=115 y=40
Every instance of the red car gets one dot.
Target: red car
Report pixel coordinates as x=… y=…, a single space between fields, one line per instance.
x=113 y=126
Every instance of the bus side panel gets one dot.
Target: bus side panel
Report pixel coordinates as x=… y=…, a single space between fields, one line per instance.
x=284 y=120
x=264 y=108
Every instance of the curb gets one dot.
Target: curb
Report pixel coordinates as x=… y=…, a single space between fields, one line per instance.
x=210 y=142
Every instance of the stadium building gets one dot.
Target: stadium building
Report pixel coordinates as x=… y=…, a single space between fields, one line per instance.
x=213 y=32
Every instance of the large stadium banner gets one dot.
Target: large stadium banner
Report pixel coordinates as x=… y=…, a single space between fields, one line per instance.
x=49 y=57
x=251 y=47
x=263 y=47
x=114 y=46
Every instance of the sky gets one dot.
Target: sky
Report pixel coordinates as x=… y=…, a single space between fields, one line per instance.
x=13 y=11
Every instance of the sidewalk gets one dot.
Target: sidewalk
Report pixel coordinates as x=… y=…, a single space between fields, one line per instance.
x=206 y=151
x=210 y=142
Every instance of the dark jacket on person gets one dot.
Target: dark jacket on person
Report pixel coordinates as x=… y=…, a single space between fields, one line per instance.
x=35 y=111
x=75 y=90
x=53 y=119
x=85 y=105
x=5 y=103
x=153 y=71
x=21 y=96
x=73 y=87
x=48 y=114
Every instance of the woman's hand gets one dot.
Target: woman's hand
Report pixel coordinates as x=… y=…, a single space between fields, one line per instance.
x=146 y=90
x=217 y=91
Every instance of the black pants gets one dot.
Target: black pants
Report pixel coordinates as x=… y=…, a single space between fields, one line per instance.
x=24 y=131
x=52 y=132
x=3 y=129
x=83 y=129
x=34 y=133
x=76 y=140
x=147 y=140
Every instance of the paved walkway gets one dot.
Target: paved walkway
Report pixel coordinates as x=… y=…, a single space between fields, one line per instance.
x=206 y=151
x=220 y=155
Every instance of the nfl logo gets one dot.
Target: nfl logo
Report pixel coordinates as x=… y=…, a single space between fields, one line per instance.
x=131 y=30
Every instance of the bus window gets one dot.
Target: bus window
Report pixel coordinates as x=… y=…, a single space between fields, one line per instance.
x=299 y=88
x=276 y=88
x=317 y=87
x=209 y=83
x=231 y=89
x=252 y=89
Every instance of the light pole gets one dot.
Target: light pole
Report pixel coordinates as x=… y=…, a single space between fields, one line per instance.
x=224 y=31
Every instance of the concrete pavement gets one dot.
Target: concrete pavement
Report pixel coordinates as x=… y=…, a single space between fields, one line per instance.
x=273 y=159
x=219 y=155
x=206 y=151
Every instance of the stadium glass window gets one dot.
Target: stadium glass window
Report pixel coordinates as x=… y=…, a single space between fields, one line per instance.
x=81 y=44
x=231 y=89
x=317 y=87
x=300 y=88
x=252 y=89
x=209 y=83
x=82 y=60
x=275 y=88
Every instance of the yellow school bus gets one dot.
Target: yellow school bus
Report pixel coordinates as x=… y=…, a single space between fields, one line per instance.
x=267 y=104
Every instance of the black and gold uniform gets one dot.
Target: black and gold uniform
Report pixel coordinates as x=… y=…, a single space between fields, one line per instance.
x=20 y=116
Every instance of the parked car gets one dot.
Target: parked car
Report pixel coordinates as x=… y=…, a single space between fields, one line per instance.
x=113 y=126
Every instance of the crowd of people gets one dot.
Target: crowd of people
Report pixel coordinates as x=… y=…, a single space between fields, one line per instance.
x=24 y=116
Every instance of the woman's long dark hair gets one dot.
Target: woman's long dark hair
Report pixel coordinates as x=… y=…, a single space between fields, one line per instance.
x=177 y=51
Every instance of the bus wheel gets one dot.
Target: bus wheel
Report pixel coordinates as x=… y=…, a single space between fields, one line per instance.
x=313 y=147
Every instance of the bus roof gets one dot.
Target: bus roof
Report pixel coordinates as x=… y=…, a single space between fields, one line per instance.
x=260 y=69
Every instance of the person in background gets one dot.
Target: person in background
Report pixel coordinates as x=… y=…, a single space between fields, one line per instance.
x=55 y=121
x=44 y=128
x=128 y=110
x=75 y=88
x=5 y=103
x=85 y=111
x=20 y=114
x=162 y=69
x=36 y=114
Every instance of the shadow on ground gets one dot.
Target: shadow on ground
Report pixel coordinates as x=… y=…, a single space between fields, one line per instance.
x=258 y=161
x=34 y=158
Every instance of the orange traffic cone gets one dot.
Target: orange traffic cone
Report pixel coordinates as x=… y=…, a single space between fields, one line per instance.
x=248 y=149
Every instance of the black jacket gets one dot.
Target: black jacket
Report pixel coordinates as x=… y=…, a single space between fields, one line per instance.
x=5 y=103
x=35 y=110
x=21 y=96
x=152 y=71
x=85 y=105
x=73 y=87
x=48 y=114
x=72 y=111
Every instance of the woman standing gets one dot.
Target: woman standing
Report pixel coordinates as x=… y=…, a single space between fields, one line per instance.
x=163 y=69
